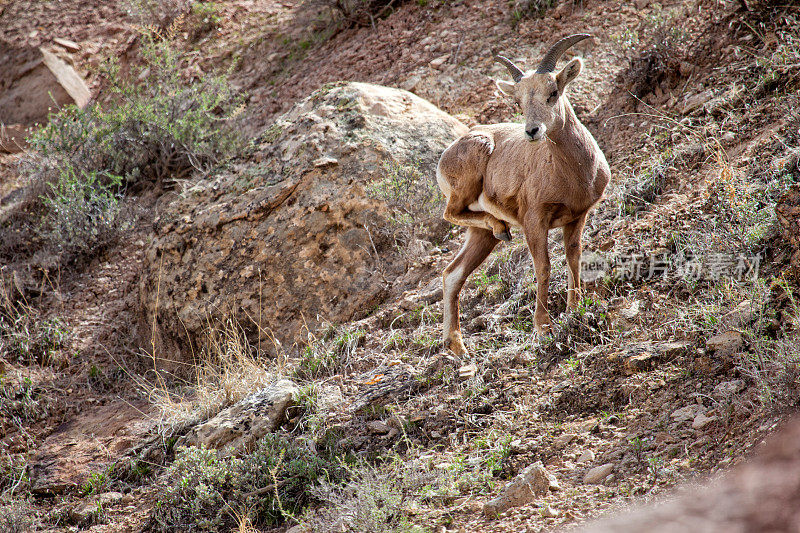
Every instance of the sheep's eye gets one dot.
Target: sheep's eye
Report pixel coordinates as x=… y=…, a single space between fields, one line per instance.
x=554 y=95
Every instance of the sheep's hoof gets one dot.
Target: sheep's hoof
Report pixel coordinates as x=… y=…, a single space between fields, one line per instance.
x=456 y=346
x=504 y=236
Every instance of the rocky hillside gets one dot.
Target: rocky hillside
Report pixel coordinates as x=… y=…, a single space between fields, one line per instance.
x=220 y=292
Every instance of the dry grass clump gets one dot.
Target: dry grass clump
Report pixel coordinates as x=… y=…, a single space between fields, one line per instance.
x=227 y=370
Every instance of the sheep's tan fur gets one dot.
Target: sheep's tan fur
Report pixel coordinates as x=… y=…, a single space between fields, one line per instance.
x=502 y=175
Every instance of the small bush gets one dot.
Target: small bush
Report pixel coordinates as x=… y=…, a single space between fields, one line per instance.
x=327 y=356
x=521 y=9
x=414 y=199
x=18 y=517
x=573 y=331
x=205 y=492
x=26 y=336
x=23 y=402
x=377 y=499
x=371 y=503
x=156 y=128
x=13 y=473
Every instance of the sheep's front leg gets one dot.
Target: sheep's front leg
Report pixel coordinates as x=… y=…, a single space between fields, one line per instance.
x=457 y=212
x=536 y=237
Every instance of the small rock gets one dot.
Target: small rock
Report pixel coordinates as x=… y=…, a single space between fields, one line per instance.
x=726 y=389
x=598 y=474
x=549 y=512
x=696 y=101
x=639 y=363
x=378 y=427
x=686 y=413
x=671 y=350
x=563 y=440
x=742 y=314
x=701 y=421
x=589 y=426
x=725 y=344
x=70 y=46
x=531 y=482
x=411 y=83
x=329 y=398
x=467 y=371
x=517 y=446
x=439 y=61
x=83 y=513
x=631 y=312
x=246 y=421
x=325 y=161
x=586 y=457
x=109 y=498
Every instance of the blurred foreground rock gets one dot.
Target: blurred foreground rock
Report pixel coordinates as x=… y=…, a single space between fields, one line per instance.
x=761 y=495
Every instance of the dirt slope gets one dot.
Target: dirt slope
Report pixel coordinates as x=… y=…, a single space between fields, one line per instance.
x=695 y=106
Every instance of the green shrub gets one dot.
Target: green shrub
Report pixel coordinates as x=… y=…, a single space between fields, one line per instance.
x=26 y=336
x=329 y=355
x=158 y=126
x=82 y=213
x=154 y=129
x=206 y=492
x=414 y=200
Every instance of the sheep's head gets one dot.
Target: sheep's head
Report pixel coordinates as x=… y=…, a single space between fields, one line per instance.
x=538 y=92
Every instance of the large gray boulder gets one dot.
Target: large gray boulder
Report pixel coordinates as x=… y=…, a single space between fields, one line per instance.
x=292 y=237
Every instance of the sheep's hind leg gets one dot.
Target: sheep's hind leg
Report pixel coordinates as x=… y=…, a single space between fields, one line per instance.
x=476 y=249
x=458 y=212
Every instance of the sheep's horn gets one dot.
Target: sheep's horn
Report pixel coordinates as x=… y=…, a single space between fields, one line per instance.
x=516 y=73
x=552 y=56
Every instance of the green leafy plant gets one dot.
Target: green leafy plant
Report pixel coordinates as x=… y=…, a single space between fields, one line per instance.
x=205 y=492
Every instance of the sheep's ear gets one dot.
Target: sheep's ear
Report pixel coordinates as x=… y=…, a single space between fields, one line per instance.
x=505 y=87
x=569 y=73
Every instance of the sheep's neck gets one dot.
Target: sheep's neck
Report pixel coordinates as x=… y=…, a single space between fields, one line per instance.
x=572 y=146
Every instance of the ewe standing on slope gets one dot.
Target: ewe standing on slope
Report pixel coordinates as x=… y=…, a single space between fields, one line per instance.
x=545 y=174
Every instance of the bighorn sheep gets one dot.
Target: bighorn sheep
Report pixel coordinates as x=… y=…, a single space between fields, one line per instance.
x=546 y=174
